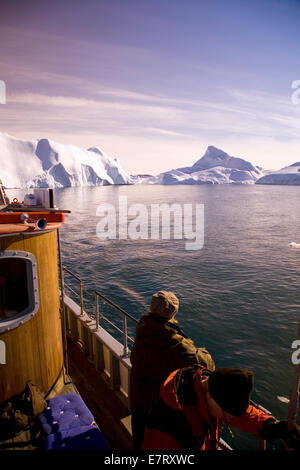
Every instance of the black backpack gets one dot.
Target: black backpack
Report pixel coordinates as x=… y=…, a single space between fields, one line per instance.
x=20 y=412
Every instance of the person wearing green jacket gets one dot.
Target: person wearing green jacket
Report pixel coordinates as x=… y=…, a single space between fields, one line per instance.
x=160 y=347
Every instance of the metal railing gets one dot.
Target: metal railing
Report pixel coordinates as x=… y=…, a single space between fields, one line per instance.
x=124 y=314
x=80 y=288
x=99 y=315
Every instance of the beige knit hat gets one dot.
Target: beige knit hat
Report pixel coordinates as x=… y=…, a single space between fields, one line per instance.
x=165 y=304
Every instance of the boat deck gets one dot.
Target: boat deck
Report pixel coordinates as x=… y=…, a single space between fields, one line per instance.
x=110 y=414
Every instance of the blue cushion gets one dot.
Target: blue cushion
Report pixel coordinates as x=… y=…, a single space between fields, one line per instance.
x=83 y=438
x=65 y=412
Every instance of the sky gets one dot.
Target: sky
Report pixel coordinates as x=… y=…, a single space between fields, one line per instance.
x=154 y=82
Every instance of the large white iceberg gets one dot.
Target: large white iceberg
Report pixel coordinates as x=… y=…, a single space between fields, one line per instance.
x=289 y=175
x=47 y=164
x=215 y=167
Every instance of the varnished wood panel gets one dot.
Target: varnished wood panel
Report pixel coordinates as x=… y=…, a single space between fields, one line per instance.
x=34 y=350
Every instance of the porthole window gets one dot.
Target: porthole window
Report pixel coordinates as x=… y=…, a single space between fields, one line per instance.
x=19 y=300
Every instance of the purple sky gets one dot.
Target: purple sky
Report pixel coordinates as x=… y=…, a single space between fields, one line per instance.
x=154 y=82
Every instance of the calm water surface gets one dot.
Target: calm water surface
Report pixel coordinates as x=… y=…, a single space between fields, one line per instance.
x=239 y=294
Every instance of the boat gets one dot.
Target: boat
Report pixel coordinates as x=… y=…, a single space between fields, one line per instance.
x=48 y=339
x=46 y=336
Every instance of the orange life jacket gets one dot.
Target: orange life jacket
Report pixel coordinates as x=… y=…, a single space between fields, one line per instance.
x=180 y=419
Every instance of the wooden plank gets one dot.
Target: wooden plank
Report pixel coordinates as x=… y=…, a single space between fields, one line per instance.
x=28 y=228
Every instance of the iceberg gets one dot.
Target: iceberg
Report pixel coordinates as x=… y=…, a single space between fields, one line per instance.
x=289 y=175
x=215 y=167
x=47 y=164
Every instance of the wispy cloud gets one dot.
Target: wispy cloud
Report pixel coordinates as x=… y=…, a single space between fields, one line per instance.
x=85 y=96
x=100 y=96
x=248 y=113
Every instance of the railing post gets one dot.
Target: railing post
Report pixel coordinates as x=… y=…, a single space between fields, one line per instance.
x=81 y=298
x=96 y=312
x=125 y=346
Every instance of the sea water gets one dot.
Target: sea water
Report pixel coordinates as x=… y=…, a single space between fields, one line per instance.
x=239 y=294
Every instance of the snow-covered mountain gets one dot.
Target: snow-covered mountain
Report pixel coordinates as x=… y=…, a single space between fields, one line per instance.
x=44 y=163
x=289 y=175
x=215 y=167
